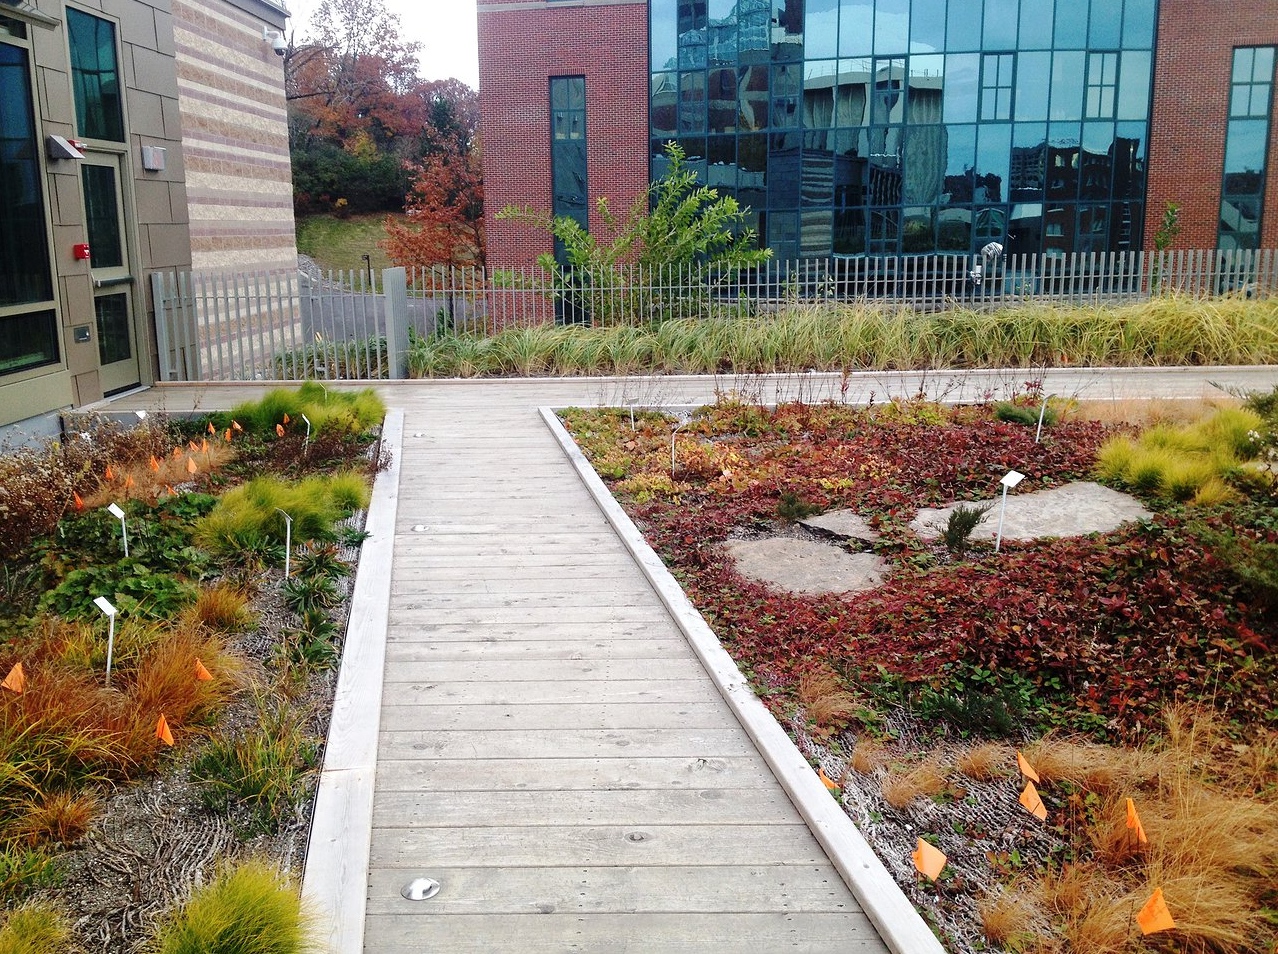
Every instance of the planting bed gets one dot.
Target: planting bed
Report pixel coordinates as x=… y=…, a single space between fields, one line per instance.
x=1135 y=663
x=104 y=826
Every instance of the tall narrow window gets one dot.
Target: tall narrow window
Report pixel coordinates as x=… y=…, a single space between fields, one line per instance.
x=28 y=322
x=1246 y=148
x=1102 y=86
x=568 y=150
x=996 y=85
x=95 y=77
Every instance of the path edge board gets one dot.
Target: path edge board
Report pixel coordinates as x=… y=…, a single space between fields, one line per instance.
x=335 y=878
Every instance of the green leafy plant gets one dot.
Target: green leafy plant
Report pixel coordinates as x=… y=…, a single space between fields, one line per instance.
x=303 y=594
x=313 y=642
x=23 y=870
x=792 y=508
x=320 y=559
x=680 y=236
x=1020 y=414
x=134 y=588
x=247 y=909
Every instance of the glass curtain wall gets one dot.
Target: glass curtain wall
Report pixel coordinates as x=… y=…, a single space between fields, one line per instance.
x=855 y=127
x=1242 y=192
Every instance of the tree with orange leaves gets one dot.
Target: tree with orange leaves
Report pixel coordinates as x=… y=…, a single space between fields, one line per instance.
x=445 y=208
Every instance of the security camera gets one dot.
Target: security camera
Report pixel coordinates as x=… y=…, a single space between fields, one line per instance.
x=277 y=41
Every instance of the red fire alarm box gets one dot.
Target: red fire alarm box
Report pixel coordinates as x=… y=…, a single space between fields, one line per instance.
x=81 y=251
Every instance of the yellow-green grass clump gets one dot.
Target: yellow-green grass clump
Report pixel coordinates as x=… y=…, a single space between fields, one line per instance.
x=253 y=510
x=1188 y=463
x=34 y=929
x=338 y=410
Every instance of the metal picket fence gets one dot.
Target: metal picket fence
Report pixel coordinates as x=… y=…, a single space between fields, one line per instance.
x=291 y=325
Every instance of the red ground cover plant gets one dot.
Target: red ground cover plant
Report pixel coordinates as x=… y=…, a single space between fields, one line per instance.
x=1097 y=632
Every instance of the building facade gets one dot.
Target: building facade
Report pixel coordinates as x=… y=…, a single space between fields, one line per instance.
x=889 y=127
x=106 y=121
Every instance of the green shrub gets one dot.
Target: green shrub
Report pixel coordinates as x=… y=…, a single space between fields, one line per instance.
x=958 y=528
x=248 y=909
x=23 y=870
x=333 y=409
x=35 y=929
x=266 y=771
x=303 y=594
x=320 y=559
x=252 y=511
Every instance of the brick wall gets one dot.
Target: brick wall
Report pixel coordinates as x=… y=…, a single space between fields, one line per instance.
x=1196 y=39
x=235 y=138
x=522 y=45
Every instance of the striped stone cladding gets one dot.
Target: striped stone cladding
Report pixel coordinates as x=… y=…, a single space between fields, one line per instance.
x=1196 y=40
x=235 y=139
x=522 y=45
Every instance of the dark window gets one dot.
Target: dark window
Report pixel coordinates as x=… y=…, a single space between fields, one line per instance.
x=996 y=85
x=568 y=150
x=95 y=76
x=1246 y=147
x=113 y=328
x=28 y=336
x=106 y=245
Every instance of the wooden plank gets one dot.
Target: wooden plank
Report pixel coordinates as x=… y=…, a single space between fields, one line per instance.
x=674 y=890
x=551 y=692
x=691 y=715
x=605 y=589
x=586 y=845
x=591 y=649
x=539 y=670
x=714 y=806
x=513 y=630
x=485 y=775
x=500 y=615
x=573 y=743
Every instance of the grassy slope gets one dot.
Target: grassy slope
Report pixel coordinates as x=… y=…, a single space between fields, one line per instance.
x=342 y=243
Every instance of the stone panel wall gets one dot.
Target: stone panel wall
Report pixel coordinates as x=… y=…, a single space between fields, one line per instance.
x=235 y=135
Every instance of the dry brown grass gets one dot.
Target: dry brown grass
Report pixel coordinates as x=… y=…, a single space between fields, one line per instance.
x=1095 y=768
x=60 y=818
x=151 y=476
x=1149 y=412
x=823 y=697
x=922 y=781
x=222 y=608
x=1009 y=920
x=987 y=762
x=867 y=757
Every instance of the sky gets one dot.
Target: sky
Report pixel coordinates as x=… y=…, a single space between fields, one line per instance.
x=445 y=29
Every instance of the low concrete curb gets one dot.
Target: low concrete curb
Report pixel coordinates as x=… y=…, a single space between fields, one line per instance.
x=335 y=882
x=898 y=923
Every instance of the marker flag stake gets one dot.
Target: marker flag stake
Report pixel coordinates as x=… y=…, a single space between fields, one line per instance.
x=102 y=603
x=115 y=511
x=929 y=860
x=1154 y=916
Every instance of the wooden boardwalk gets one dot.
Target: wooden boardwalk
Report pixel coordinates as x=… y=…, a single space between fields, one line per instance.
x=550 y=750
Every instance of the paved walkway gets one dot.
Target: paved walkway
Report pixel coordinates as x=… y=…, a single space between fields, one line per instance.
x=551 y=751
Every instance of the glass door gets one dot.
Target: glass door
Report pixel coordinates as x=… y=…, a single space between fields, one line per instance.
x=101 y=175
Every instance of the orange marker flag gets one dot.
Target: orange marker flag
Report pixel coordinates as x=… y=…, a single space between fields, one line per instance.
x=155 y=464
x=79 y=501
x=170 y=491
x=212 y=429
x=285 y=418
x=235 y=426
x=228 y=435
x=279 y=430
x=1026 y=769
x=1133 y=822
x=128 y=480
x=177 y=452
x=191 y=467
x=16 y=681
x=1154 y=916
x=162 y=730
x=826 y=780
x=929 y=859
x=1032 y=803
x=204 y=446
x=110 y=474
x=194 y=446
x=201 y=673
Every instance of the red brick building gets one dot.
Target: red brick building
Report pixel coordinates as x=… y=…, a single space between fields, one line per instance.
x=864 y=127
x=1192 y=87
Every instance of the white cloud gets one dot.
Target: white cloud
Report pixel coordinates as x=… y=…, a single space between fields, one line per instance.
x=446 y=29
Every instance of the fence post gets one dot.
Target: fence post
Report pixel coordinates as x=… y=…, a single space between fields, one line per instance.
x=395 y=295
x=159 y=301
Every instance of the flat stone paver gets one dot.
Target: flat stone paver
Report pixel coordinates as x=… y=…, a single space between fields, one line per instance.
x=807 y=566
x=551 y=751
x=1069 y=511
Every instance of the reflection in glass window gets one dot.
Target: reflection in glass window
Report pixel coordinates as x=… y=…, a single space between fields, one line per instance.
x=856 y=27
x=95 y=77
x=1133 y=84
x=1071 y=25
x=1032 y=78
x=926 y=88
x=1000 y=24
x=1036 y=24
x=568 y=151
x=1102 y=85
x=821 y=31
x=663 y=34
x=1138 y=23
x=891 y=26
x=962 y=78
x=1253 y=77
x=1067 y=85
x=963 y=25
x=996 y=85
x=927 y=26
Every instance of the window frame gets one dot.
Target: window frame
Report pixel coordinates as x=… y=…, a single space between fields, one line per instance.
x=1248 y=118
x=1096 y=88
x=114 y=144
x=1004 y=92
x=51 y=305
